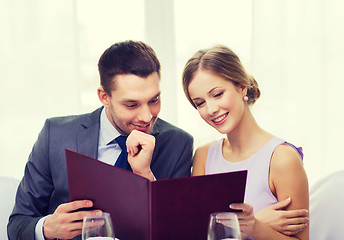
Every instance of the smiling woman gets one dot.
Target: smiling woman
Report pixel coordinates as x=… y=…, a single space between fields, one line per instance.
x=217 y=85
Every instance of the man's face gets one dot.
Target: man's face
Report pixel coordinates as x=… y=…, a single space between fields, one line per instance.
x=134 y=104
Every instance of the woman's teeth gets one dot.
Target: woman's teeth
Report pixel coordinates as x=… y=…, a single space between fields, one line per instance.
x=220 y=118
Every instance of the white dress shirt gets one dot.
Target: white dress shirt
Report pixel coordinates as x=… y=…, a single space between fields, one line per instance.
x=108 y=151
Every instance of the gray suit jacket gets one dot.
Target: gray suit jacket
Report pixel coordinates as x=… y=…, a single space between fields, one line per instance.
x=44 y=185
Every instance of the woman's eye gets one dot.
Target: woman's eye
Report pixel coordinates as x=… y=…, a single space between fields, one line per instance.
x=199 y=104
x=218 y=94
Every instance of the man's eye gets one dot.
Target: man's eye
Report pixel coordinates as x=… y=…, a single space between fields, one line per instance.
x=130 y=105
x=155 y=100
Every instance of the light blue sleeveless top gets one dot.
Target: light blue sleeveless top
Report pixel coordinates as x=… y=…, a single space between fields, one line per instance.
x=258 y=193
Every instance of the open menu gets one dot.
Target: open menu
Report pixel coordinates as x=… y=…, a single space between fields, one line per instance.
x=177 y=208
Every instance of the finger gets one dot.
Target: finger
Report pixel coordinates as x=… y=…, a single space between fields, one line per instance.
x=137 y=138
x=133 y=150
x=297 y=221
x=134 y=144
x=289 y=233
x=295 y=228
x=225 y=222
x=298 y=213
x=237 y=206
x=293 y=231
x=93 y=224
x=224 y=215
x=281 y=204
x=79 y=216
x=241 y=206
x=75 y=205
x=78 y=225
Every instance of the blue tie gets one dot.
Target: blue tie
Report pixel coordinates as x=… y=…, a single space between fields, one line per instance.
x=122 y=160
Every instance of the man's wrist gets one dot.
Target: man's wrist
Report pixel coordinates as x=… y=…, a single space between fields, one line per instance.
x=146 y=174
x=39 y=229
x=45 y=234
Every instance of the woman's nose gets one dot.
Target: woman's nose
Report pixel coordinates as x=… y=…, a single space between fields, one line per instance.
x=212 y=109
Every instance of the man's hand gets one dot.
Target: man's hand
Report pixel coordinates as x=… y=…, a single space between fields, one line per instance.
x=140 y=147
x=66 y=222
x=288 y=222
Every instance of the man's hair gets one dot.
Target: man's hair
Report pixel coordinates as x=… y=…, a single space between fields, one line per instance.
x=129 y=57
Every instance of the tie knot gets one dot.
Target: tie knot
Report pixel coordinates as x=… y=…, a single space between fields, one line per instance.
x=121 y=140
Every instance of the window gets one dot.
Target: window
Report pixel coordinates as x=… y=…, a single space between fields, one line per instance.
x=200 y=25
x=99 y=25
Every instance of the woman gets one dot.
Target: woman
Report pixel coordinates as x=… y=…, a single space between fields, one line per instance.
x=217 y=85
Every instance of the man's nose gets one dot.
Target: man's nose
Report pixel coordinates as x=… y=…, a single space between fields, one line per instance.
x=145 y=114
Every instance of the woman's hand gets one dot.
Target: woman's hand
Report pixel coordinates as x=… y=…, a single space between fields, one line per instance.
x=288 y=222
x=246 y=218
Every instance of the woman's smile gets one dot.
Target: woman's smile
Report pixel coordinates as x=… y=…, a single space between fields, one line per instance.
x=220 y=119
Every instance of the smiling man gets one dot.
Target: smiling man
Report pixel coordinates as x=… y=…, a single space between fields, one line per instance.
x=130 y=94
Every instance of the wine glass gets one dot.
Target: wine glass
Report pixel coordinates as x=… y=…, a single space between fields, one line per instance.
x=98 y=228
x=223 y=225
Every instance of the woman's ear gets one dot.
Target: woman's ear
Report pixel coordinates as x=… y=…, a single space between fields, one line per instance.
x=103 y=97
x=244 y=91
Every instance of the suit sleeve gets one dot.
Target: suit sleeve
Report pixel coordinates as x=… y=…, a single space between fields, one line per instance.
x=34 y=191
x=184 y=163
x=172 y=155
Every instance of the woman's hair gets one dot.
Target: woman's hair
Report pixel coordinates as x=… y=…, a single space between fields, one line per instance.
x=223 y=62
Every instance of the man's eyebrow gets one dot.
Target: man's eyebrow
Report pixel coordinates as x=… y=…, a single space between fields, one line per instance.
x=136 y=101
x=129 y=101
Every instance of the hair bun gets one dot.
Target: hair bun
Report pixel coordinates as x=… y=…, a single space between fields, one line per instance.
x=253 y=92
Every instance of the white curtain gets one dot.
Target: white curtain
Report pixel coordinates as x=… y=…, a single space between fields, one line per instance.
x=294 y=49
x=298 y=60
x=38 y=73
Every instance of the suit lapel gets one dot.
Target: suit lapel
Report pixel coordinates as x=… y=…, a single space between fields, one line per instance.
x=88 y=135
x=156 y=128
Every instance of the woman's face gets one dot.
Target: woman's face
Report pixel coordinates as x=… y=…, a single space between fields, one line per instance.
x=219 y=102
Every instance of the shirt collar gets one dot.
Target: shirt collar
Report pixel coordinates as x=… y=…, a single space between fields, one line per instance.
x=107 y=131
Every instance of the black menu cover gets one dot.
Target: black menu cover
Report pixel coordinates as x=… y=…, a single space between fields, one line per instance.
x=177 y=208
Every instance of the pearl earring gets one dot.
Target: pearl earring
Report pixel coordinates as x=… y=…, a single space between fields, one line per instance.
x=246 y=98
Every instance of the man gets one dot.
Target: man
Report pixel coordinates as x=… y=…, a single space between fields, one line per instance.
x=130 y=94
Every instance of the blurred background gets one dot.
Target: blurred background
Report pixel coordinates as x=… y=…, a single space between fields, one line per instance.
x=294 y=48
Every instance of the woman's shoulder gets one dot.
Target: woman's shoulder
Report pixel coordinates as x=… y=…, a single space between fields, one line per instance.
x=285 y=156
x=203 y=149
x=200 y=158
